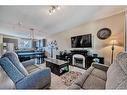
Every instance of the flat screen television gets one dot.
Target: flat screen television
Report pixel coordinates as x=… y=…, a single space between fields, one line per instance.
x=82 y=41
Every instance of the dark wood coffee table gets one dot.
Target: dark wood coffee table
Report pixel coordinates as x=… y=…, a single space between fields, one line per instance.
x=57 y=66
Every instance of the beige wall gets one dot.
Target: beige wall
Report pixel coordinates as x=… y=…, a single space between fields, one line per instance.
x=1 y=44
x=115 y=23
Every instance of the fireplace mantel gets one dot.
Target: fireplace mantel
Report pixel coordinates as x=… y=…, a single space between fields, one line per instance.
x=82 y=52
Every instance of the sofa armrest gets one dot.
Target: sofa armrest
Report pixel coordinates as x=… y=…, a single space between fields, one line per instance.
x=28 y=62
x=35 y=80
x=100 y=66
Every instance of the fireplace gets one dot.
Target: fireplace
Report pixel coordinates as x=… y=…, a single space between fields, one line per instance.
x=79 y=60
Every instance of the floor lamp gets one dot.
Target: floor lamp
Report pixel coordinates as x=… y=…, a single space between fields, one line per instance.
x=113 y=42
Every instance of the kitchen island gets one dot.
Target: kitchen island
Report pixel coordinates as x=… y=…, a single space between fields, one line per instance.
x=31 y=54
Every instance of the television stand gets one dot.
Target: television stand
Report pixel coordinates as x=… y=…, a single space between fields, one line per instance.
x=88 y=59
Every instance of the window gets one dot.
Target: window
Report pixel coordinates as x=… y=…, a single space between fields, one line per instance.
x=24 y=43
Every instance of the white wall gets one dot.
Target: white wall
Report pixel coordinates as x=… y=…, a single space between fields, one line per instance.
x=115 y=23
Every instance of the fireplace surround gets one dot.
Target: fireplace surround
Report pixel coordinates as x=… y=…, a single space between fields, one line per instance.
x=88 y=58
x=79 y=60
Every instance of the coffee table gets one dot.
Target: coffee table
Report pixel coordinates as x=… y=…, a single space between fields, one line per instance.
x=57 y=66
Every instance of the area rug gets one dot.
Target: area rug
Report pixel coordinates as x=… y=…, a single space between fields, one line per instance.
x=70 y=77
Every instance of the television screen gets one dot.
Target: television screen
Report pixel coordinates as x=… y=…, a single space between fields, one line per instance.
x=82 y=41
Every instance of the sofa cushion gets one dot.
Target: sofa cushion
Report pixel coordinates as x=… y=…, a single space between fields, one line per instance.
x=116 y=74
x=36 y=80
x=99 y=73
x=11 y=70
x=5 y=81
x=12 y=56
x=32 y=68
x=94 y=82
x=28 y=63
x=80 y=81
x=96 y=79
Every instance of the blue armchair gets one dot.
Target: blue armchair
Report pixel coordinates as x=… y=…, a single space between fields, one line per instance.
x=38 y=79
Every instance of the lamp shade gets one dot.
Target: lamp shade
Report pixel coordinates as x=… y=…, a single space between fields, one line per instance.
x=113 y=42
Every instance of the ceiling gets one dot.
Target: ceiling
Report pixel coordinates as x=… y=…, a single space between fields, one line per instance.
x=19 y=20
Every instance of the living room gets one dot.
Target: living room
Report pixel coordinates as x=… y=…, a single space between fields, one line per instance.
x=62 y=47
x=101 y=47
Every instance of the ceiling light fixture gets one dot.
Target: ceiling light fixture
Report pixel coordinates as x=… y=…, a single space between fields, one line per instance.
x=53 y=9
